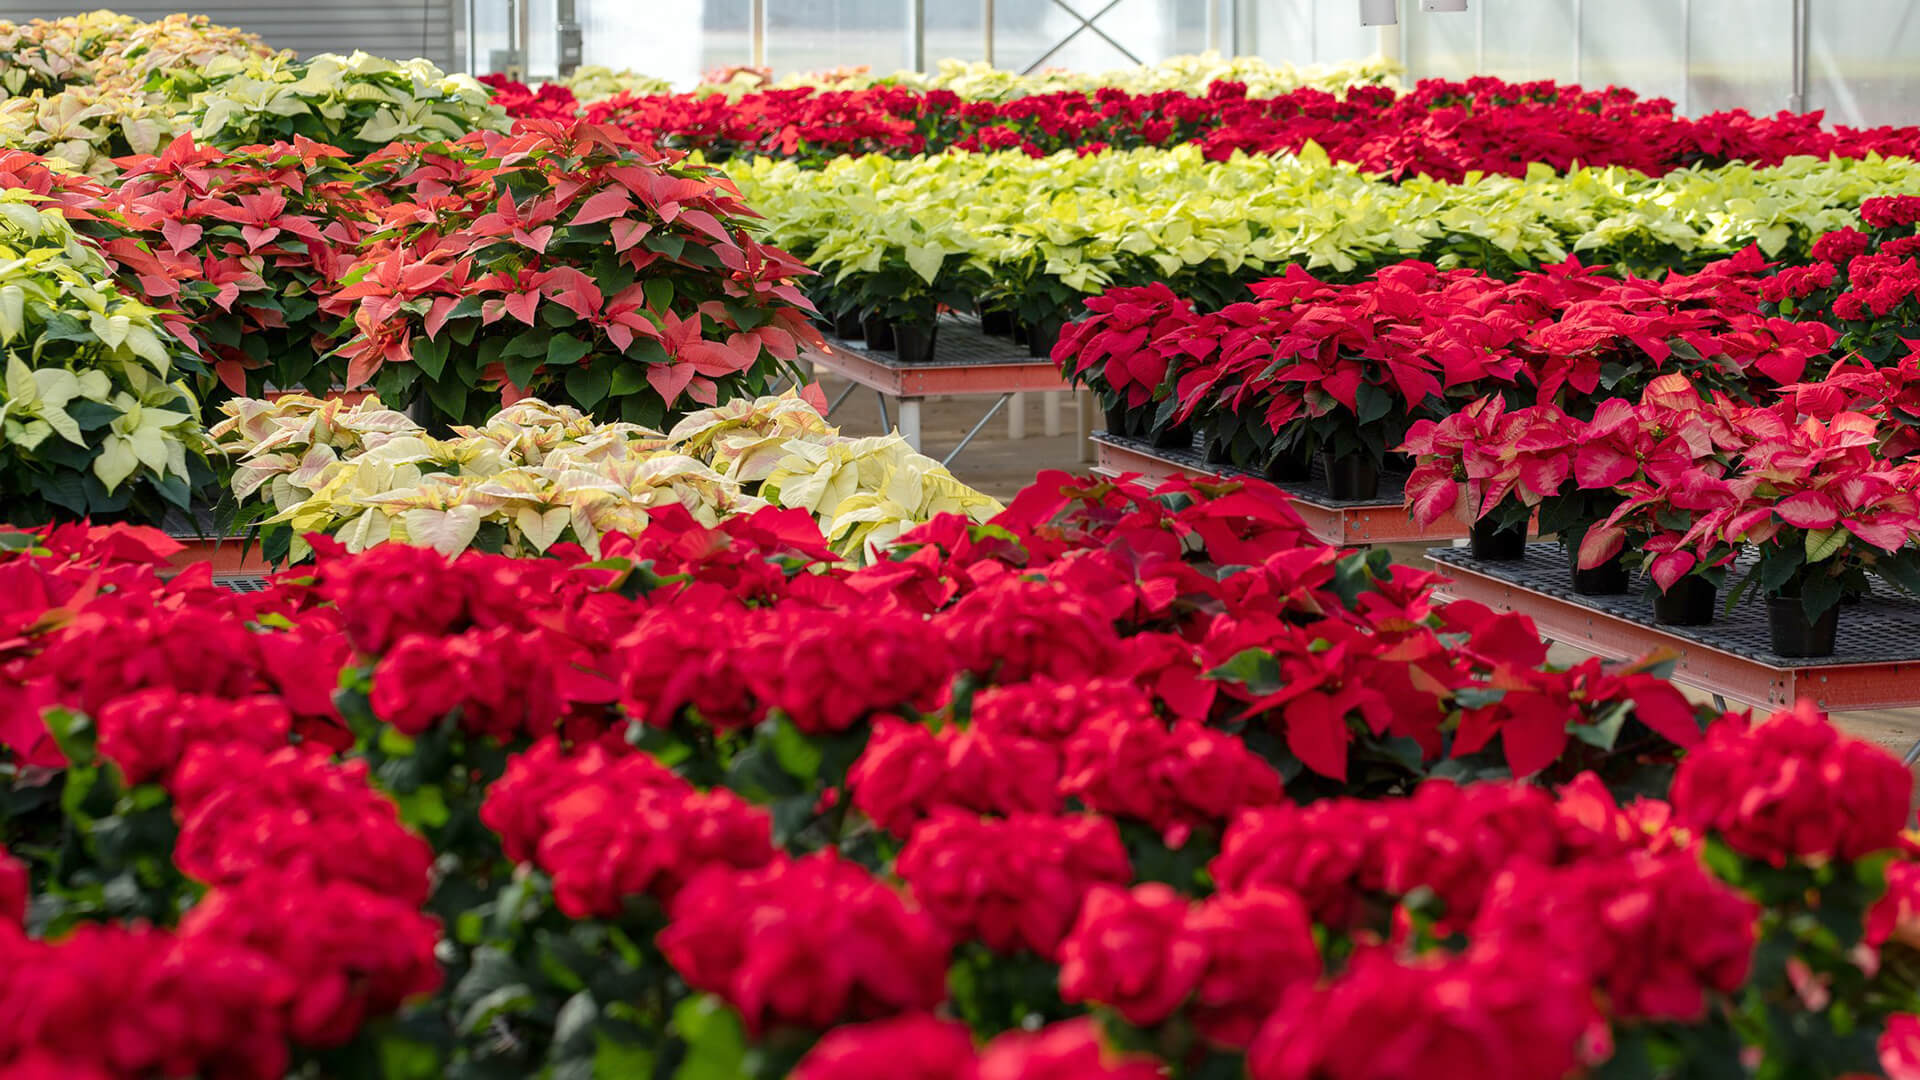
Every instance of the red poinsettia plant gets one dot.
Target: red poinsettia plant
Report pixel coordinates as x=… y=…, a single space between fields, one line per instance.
x=567 y=261
x=250 y=245
x=551 y=102
x=1864 y=283
x=1124 y=349
x=1154 y=757
x=1441 y=128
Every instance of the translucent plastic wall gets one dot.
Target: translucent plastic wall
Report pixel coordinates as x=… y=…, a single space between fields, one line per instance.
x=1862 y=57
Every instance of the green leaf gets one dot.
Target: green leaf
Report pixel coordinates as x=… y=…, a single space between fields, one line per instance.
x=1255 y=669
x=573 y=1028
x=423 y=808
x=1819 y=593
x=588 y=386
x=613 y=1058
x=565 y=350
x=450 y=398
x=716 y=1041
x=430 y=355
x=512 y=999
x=520 y=369
x=628 y=379
x=799 y=755
x=659 y=293
x=1604 y=732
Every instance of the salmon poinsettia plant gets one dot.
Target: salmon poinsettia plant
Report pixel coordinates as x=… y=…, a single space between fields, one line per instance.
x=568 y=262
x=250 y=244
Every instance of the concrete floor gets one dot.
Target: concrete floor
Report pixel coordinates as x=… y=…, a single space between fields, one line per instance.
x=1000 y=466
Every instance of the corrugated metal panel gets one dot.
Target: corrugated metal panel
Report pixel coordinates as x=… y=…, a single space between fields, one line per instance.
x=399 y=29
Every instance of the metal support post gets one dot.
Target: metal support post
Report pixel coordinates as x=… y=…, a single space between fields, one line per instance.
x=986 y=31
x=917 y=34
x=1797 y=102
x=886 y=424
x=955 y=452
x=1050 y=412
x=567 y=36
x=1017 y=418
x=757 y=17
x=910 y=422
x=1579 y=39
x=844 y=395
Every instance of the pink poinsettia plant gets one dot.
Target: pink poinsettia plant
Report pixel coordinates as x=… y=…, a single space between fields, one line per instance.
x=567 y=261
x=250 y=244
x=1823 y=510
x=1474 y=461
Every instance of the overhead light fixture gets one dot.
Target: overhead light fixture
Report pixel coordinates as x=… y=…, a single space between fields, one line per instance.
x=1379 y=12
x=1443 y=5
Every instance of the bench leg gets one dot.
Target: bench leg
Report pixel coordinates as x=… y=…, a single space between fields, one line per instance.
x=910 y=422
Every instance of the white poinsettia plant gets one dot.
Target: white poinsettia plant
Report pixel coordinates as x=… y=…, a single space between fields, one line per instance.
x=537 y=474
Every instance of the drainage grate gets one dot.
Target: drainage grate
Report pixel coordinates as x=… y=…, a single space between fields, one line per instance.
x=242 y=583
x=1882 y=628
x=1393 y=486
x=961 y=343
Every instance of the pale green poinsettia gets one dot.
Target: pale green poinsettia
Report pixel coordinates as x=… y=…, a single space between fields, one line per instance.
x=1001 y=225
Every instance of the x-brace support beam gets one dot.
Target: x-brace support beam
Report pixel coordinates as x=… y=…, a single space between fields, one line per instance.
x=1086 y=23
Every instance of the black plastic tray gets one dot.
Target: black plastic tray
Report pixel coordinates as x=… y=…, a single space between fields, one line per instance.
x=1393 y=485
x=1883 y=628
x=961 y=344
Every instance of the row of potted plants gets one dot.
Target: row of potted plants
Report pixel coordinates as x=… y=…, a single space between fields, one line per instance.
x=1035 y=237
x=562 y=261
x=1118 y=784
x=1309 y=367
x=972 y=81
x=90 y=89
x=535 y=475
x=1442 y=129
x=1818 y=490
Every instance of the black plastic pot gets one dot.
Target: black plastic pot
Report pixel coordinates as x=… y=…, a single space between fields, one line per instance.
x=1492 y=541
x=846 y=326
x=1019 y=332
x=1796 y=635
x=1352 y=478
x=1689 y=603
x=1214 y=450
x=878 y=332
x=1290 y=467
x=996 y=322
x=914 y=344
x=1610 y=578
x=1118 y=423
x=1395 y=462
x=1042 y=336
